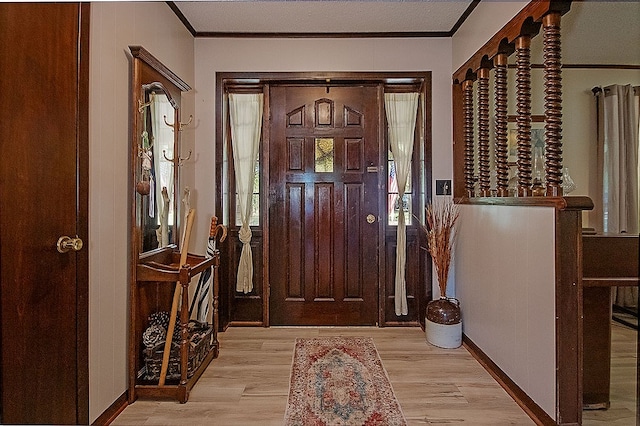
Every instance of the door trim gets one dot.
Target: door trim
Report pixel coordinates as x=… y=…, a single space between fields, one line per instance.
x=82 y=271
x=256 y=82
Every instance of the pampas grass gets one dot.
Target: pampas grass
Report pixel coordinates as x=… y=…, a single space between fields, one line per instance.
x=441 y=218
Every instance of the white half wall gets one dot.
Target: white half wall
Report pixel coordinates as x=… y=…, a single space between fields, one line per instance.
x=113 y=27
x=314 y=55
x=505 y=281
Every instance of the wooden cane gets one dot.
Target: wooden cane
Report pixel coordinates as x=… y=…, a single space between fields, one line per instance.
x=176 y=299
x=215 y=228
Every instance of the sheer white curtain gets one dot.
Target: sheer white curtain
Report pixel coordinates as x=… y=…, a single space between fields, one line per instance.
x=618 y=141
x=245 y=111
x=162 y=190
x=401 y=110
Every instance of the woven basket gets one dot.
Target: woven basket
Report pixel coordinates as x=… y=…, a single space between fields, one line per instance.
x=199 y=346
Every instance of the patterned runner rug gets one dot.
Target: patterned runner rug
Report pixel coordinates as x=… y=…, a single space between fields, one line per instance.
x=340 y=381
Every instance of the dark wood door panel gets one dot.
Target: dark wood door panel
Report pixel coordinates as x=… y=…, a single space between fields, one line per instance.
x=318 y=215
x=351 y=260
x=294 y=226
x=246 y=308
x=354 y=244
x=417 y=286
x=322 y=253
x=43 y=327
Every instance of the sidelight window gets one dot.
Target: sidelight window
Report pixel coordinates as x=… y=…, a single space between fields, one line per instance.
x=254 y=220
x=394 y=203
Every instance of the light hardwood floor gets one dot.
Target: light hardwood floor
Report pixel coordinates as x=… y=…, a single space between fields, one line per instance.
x=249 y=383
x=624 y=360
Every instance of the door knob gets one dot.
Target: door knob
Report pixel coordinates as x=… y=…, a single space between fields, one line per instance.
x=371 y=218
x=66 y=244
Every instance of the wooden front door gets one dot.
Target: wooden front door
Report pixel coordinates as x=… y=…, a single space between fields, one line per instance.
x=323 y=201
x=43 y=196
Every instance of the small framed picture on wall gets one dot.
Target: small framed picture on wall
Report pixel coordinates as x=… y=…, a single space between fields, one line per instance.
x=537 y=136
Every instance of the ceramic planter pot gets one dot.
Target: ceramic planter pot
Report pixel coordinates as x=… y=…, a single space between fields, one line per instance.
x=443 y=325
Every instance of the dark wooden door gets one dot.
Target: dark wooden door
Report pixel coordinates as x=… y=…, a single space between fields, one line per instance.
x=43 y=196
x=323 y=184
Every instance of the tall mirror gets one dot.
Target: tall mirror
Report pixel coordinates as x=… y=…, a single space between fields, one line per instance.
x=155 y=183
x=156 y=93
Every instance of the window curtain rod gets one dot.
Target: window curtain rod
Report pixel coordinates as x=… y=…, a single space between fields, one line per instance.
x=597 y=90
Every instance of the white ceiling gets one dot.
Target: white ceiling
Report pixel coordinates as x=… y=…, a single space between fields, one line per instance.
x=593 y=32
x=321 y=17
x=600 y=32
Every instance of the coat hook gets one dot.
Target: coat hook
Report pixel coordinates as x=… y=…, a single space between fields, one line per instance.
x=164 y=154
x=328 y=80
x=172 y=160
x=142 y=106
x=187 y=123
x=181 y=125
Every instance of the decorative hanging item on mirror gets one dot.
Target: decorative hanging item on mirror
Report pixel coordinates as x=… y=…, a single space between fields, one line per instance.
x=145 y=152
x=143 y=187
x=443 y=325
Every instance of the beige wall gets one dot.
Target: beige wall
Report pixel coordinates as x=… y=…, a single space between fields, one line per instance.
x=486 y=19
x=115 y=26
x=507 y=293
x=286 y=55
x=579 y=124
x=578 y=118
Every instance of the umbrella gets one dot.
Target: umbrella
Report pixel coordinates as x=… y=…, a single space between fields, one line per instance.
x=203 y=289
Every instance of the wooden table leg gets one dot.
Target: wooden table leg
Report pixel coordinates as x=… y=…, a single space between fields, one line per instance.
x=597 y=347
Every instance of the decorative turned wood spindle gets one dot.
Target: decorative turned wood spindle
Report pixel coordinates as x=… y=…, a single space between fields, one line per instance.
x=500 y=111
x=552 y=104
x=467 y=90
x=523 y=119
x=483 y=132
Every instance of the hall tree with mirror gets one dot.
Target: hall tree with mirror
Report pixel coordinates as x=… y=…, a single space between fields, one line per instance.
x=167 y=350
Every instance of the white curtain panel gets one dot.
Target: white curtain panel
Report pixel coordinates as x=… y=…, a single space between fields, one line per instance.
x=618 y=143
x=245 y=111
x=401 y=110
x=162 y=141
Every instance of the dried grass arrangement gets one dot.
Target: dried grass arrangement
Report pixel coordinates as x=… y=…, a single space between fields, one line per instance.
x=441 y=219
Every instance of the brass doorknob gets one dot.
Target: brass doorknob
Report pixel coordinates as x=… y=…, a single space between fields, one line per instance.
x=371 y=218
x=66 y=244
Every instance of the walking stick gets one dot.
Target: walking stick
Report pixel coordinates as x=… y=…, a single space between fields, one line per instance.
x=176 y=300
